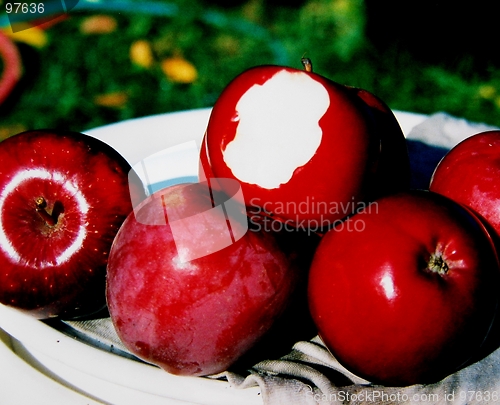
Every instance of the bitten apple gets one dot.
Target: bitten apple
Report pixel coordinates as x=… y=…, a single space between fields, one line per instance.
x=63 y=196
x=194 y=316
x=410 y=295
x=303 y=147
x=469 y=174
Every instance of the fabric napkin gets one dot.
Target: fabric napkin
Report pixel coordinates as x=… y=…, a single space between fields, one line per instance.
x=309 y=374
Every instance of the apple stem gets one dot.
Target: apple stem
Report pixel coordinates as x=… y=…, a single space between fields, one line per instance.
x=437 y=264
x=41 y=204
x=307 y=63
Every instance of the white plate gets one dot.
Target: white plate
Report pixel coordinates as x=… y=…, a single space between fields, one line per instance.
x=89 y=375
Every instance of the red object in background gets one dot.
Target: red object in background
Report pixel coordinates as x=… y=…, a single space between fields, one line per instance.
x=11 y=72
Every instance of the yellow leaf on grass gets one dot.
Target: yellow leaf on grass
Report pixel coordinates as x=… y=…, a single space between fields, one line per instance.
x=179 y=70
x=10 y=130
x=141 y=53
x=487 y=91
x=117 y=99
x=32 y=36
x=98 y=24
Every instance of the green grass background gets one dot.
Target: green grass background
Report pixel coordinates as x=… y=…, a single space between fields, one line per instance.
x=423 y=58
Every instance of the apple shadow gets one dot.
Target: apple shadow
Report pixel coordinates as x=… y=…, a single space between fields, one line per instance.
x=57 y=210
x=293 y=326
x=295 y=323
x=423 y=160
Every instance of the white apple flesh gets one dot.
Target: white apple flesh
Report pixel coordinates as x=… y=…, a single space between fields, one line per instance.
x=273 y=114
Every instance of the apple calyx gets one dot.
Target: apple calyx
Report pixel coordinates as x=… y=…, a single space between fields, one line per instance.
x=41 y=205
x=437 y=264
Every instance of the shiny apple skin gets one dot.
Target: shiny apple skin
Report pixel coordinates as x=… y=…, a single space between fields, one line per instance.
x=339 y=172
x=469 y=174
x=382 y=312
x=59 y=270
x=197 y=317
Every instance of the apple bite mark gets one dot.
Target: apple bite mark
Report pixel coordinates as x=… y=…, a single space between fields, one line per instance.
x=278 y=128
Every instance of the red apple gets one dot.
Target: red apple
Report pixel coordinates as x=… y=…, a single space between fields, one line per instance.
x=469 y=174
x=393 y=171
x=189 y=288
x=405 y=291
x=63 y=196
x=304 y=148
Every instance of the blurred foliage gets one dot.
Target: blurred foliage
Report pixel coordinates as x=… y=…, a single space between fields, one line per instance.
x=112 y=60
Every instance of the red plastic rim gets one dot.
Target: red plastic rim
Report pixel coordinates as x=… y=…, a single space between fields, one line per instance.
x=11 y=66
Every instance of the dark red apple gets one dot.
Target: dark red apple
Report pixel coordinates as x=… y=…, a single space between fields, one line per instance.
x=189 y=288
x=304 y=148
x=63 y=196
x=393 y=170
x=470 y=173
x=405 y=291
